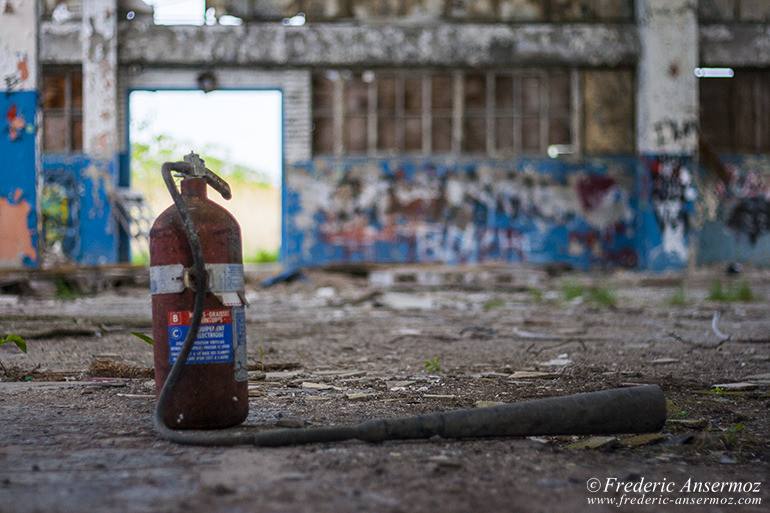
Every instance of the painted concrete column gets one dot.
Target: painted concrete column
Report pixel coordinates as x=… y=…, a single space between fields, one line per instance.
x=99 y=170
x=666 y=130
x=667 y=89
x=100 y=78
x=19 y=150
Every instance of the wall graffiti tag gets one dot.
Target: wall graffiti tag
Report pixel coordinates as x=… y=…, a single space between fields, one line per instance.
x=15 y=122
x=529 y=211
x=747 y=197
x=673 y=192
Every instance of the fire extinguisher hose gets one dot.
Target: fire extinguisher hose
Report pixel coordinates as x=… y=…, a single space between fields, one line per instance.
x=639 y=409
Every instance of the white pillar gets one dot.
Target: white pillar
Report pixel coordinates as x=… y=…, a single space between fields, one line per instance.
x=667 y=89
x=100 y=78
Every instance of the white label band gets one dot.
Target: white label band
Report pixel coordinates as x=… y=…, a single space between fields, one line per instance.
x=222 y=278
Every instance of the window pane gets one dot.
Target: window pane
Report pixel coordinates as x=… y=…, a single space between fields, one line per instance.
x=474 y=135
x=559 y=131
x=558 y=93
x=386 y=94
x=323 y=94
x=715 y=114
x=413 y=134
x=55 y=133
x=504 y=134
x=413 y=95
x=441 y=87
x=441 y=139
x=355 y=135
x=77 y=134
x=608 y=111
x=323 y=135
x=356 y=96
x=475 y=92
x=77 y=90
x=504 y=92
x=54 y=91
x=386 y=133
x=530 y=137
x=530 y=92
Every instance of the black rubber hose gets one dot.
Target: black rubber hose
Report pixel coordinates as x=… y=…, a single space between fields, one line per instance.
x=639 y=409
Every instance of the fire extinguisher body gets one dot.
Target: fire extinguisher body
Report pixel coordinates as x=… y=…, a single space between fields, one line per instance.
x=212 y=389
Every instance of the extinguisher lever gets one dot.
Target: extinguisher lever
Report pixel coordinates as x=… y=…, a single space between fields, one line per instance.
x=194 y=167
x=217 y=183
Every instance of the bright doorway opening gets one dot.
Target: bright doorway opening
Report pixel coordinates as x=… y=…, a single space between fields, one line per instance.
x=238 y=133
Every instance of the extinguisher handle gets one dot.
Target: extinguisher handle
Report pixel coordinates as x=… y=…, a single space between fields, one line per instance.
x=217 y=183
x=190 y=170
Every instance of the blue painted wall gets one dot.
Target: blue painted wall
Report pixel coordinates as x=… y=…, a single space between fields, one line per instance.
x=87 y=226
x=586 y=213
x=667 y=196
x=18 y=171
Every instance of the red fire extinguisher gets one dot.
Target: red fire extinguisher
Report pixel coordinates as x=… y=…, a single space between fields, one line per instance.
x=196 y=282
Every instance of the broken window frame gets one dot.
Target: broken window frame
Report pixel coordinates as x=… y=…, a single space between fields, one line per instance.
x=485 y=116
x=71 y=114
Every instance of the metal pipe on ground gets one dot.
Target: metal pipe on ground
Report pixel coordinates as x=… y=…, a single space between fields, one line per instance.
x=640 y=409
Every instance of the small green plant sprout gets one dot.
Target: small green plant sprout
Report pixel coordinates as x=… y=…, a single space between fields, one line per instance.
x=20 y=342
x=735 y=292
x=535 y=294
x=143 y=337
x=732 y=434
x=571 y=291
x=678 y=298
x=602 y=296
x=494 y=303
x=433 y=365
x=263 y=256
x=262 y=358
x=744 y=293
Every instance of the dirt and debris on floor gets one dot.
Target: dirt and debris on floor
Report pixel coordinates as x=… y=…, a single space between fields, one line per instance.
x=329 y=348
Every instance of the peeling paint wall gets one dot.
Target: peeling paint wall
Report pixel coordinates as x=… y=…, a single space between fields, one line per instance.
x=666 y=193
x=17 y=248
x=636 y=213
x=92 y=240
x=640 y=212
x=18 y=138
x=735 y=216
x=667 y=91
x=100 y=75
x=415 y=11
x=402 y=210
x=347 y=44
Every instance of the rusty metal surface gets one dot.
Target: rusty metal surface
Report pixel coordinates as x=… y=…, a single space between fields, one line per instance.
x=206 y=395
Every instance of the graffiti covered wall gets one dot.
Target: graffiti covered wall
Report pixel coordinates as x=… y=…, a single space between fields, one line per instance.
x=18 y=212
x=76 y=211
x=537 y=211
x=735 y=212
x=18 y=147
x=666 y=216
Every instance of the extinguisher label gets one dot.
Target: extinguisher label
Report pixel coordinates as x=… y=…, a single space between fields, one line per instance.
x=166 y=279
x=239 y=328
x=214 y=343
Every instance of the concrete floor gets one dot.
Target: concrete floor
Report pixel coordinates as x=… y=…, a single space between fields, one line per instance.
x=339 y=350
